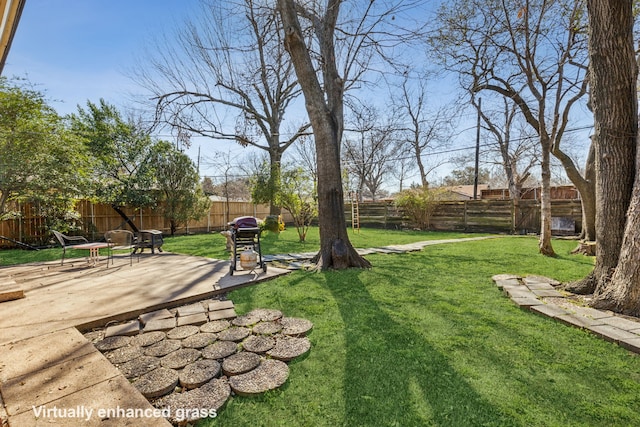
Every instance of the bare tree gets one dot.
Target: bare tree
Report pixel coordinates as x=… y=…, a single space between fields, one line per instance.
x=533 y=52
x=229 y=62
x=369 y=148
x=423 y=129
x=517 y=155
x=324 y=70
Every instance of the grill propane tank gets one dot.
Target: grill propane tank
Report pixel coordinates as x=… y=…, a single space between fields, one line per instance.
x=248 y=259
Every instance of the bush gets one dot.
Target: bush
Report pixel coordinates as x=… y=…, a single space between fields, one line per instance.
x=273 y=223
x=418 y=205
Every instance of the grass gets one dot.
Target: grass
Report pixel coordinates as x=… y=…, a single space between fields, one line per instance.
x=212 y=245
x=427 y=339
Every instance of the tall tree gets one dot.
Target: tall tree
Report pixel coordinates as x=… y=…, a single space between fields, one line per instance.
x=121 y=150
x=229 y=62
x=316 y=62
x=533 y=52
x=177 y=180
x=616 y=276
x=40 y=160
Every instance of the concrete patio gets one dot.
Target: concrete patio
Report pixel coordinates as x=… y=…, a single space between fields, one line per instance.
x=50 y=374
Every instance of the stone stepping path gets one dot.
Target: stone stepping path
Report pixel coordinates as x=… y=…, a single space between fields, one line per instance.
x=193 y=370
x=301 y=261
x=544 y=296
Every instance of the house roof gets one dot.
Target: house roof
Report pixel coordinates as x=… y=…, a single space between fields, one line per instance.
x=10 y=12
x=466 y=190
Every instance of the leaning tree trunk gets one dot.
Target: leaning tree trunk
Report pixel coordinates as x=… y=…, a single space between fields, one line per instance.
x=544 y=244
x=613 y=74
x=324 y=104
x=586 y=188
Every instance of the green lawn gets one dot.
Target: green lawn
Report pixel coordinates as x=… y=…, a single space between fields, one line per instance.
x=427 y=339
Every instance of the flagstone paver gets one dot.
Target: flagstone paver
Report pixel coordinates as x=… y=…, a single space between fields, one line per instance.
x=543 y=295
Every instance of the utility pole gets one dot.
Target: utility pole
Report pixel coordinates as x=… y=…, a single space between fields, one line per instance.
x=475 y=177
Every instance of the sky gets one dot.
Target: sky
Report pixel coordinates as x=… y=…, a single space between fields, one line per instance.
x=79 y=50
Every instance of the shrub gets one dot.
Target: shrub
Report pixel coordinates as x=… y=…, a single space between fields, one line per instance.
x=418 y=205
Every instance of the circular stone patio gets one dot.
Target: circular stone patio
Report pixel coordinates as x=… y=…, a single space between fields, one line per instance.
x=196 y=369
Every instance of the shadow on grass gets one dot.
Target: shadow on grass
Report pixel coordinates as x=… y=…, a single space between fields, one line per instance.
x=393 y=376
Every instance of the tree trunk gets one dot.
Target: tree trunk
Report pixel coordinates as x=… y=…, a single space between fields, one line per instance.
x=588 y=198
x=275 y=165
x=544 y=245
x=622 y=292
x=613 y=74
x=324 y=104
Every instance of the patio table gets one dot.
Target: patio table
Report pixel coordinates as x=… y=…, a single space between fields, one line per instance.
x=94 y=250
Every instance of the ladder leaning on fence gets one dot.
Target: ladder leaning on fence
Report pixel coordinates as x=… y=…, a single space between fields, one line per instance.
x=355 y=212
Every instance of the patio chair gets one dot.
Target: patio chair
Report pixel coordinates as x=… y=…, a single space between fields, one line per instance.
x=67 y=241
x=120 y=240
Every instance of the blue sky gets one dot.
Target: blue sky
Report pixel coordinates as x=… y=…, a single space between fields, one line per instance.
x=79 y=50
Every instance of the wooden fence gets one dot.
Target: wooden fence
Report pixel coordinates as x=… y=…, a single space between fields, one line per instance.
x=97 y=218
x=496 y=216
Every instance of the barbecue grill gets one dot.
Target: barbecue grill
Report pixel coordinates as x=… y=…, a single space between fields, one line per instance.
x=245 y=235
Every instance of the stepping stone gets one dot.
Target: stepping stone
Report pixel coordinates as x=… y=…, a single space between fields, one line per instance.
x=527 y=302
x=294 y=326
x=181 y=332
x=157 y=383
x=220 y=350
x=267 y=328
x=198 y=373
x=258 y=344
x=611 y=333
x=188 y=310
x=578 y=321
x=215 y=326
x=111 y=343
x=196 y=404
x=220 y=305
x=180 y=358
x=124 y=354
x=621 y=323
x=163 y=348
x=129 y=328
x=228 y=313
x=149 y=338
x=160 y=325
x=549 y=310
x=246 y=320
x=193 y=319
x=270 y=375
x=139 y=366
x=199 y=340
x=546 y=293
x=503 y=283
x=288 y=348
x=541 y=279
x=266 y=314
x=240 y=363
x=155 y=315
x=234 y=333
x=540 y=287
x=519 y=291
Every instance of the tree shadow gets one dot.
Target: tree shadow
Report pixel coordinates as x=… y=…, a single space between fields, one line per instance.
x=393 y=376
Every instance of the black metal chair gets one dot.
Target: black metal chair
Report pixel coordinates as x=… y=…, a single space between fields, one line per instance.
x=67 y=241
x=120 y=240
